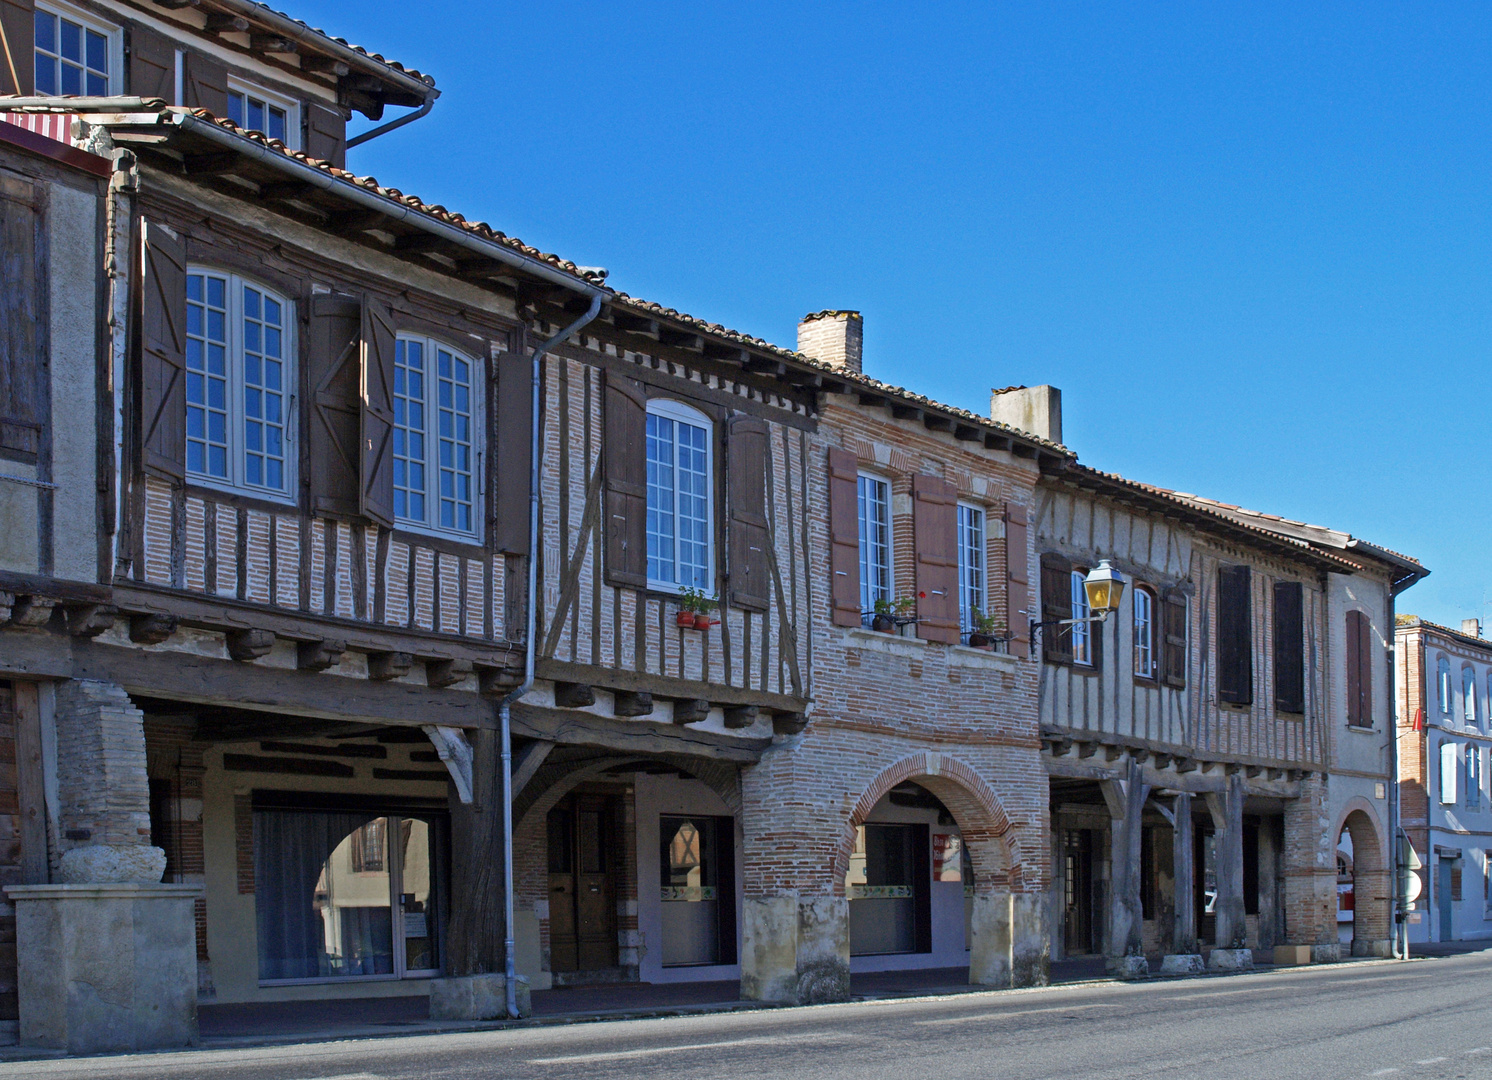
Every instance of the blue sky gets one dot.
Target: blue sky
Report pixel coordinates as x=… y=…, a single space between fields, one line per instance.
x=1250 y=245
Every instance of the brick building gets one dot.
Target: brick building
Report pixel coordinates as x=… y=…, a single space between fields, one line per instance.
x=1444 y=698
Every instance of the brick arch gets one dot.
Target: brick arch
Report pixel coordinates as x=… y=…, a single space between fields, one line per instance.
x=986 y=829
x=1371 y=915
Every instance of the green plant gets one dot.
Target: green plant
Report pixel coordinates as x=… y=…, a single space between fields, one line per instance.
x=697 y=601
x=984 y=622
x=897 y=608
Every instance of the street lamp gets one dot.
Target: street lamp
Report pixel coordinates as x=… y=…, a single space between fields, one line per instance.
x=1104 y=587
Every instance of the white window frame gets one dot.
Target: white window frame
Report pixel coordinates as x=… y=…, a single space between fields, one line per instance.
x=1144 y=668
x=871 y=591
x=114 y=34
x=1450 y=771
x=680 y=413
x=1082 y=632
x=430 y=524
x=1468 y=695
x=973 y=563
x=1443 y=684
x=236 y=480
x=270 y=97
x=1473 y=776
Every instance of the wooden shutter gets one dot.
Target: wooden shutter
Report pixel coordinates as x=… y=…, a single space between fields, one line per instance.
x=513 y=414
x=377 y=435
x=1017 y=580
x=163 y=354
x=844 y=537
x=1359 y=669
x=1289 y=647
x=152 y=65
x=1235 y=654
x=746 y=453
x=626 y=511
x=206 y=85
x=1173 y=639
x=18 y=29
x=334 y=375
x=22 y=309
x=935 y=527
x=1056 y=603
x=326 y=134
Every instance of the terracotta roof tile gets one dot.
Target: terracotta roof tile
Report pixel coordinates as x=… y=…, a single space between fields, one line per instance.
x=377 y=57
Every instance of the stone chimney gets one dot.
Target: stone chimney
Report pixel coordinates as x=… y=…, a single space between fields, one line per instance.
x=834 y=337
x=1471 y=627
x=1034 y=409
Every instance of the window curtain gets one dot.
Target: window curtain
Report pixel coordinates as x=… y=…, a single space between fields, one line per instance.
x=291 y=850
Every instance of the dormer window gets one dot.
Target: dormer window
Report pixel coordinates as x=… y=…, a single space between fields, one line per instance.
x=75 y=55
x=256 y=109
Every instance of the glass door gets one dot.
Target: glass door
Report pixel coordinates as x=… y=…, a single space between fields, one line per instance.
x=690 y=891
x=416 y=899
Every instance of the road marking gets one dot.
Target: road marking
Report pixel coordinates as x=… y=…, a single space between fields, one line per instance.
x=621 y=1055
x=1479 y=1050
x=1010 y=1012
x=1384 y=1072
x=1222 y=993
x=1430 y=1061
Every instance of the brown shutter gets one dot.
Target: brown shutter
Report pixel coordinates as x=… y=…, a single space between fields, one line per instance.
x=746 y=453
x=1289 y=647
x=1173 y=639
x=1235 y=654
x=18 y=27
x=625 y=450
x=844 y=537
x=378 y=412
x=513 y=412
x=1017 y=580
x=1056 y=603
x=163 y=354
x=206 y=85
x=1359 y=669
x=21 y=311
x=326 y=135
x=152 y=65
x=335 y=377
x=935 y=530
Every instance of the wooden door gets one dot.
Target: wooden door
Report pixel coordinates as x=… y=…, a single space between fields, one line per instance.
x=584 y=862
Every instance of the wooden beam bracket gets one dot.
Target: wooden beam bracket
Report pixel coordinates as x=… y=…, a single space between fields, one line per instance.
x=788 y=723
x=151 y=629
x=574 y=695
x=220 y=22
x=90 y=620
x=31 y=611
x=383 y=666
x=632 y=703
x=440 y=673
x=453 y=749
x=246 y=645
x=690 y=710
x=740 y=716
x=497 y=681
x=319 y=655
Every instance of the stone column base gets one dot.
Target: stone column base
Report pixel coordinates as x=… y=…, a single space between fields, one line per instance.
x=1326 y=954
x=476 y=997
x=1291 y=955
x=105 y=968
x=1230 y=960
x=795 y=950
x=1183 y=964
x=1128 y=968
x=1361 y=947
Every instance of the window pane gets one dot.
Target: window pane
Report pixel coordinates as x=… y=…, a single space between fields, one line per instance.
x=661 y=492
x=264 y=405
x=875 y=541
x=693 y=480
x=98 y=53
x=72 y=79
x=1082 y=652
x=1144 y=635
x=207 y=394
x=46 y=33
x=970 y=565
x=409 y=421
x=71 y=42
x=236 y=108
x=276 y=128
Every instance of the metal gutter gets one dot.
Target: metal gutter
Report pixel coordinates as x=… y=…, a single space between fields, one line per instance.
x=392 y=125
x=510 y=979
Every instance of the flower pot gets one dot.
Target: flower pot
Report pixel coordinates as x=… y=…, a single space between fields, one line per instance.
x=704 y=622
x=686 y=618
x=883 y=624
x=981 y=641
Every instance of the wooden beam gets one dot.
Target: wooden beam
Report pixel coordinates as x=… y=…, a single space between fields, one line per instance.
x=151 y=629
x=58 y=589
x=497 y=681
x=761 y=365
x=690 y=710
x=634 y=324
x=740 y=716
x=285 y=189
x=785 y=723
x=383 y=666
x=209 y=681
x=632 y=736
x=446 y=672
x=574 y=695
x=246 y=645
x=214 y=164
x=870 y=400
x=31 y=610
x=905 y=412
x=358 y=750
x=729 y=354
x=967 y=433
x=356 y=221
x=933 y=422
x=90 y=620
x=633 y=703
x=996 y=442
x=322 y=65
x=527 y=763
x=419 y=243
x=680 y=339
x=220 y=22
x=666 y=686
x=319 y=655
x=272 y=43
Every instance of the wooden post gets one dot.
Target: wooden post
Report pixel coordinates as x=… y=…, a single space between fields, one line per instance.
x=475 y=940
x=1227 y=818
x=1125 y=934
x=29 y=791
x=1268 y=885
x=1185 y=936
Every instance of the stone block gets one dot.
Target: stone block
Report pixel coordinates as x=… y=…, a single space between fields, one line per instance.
x=1183 y=964
x=1364 y=947
x=106 y=968
x=1230 y=960
x=1292 y=955
x=794 y=950
x=1326 y=954
x=477 y=997
x=103 y=863
x=1129 y=968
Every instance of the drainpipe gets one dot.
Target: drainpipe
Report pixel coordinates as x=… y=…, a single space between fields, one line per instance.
x=384 y=129
x=1394 y=892
x=531 y=602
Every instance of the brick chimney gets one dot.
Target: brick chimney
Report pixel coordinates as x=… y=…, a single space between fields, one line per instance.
x=834 y=337
x=1033 y=409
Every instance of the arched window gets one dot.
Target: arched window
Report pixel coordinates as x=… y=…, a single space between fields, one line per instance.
x=240 y=380
x=1144 y=633
x=1443 y=685
x=1468 y=694
x=1082 y=633
x=436 y=470
x=681 y=533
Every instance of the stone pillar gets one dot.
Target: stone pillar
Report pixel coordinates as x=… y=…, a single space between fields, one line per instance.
x=1311 y=873
x=1030 y=940
x=795 y=949
x=1124 y=942
x=1229 y=953
x=107 y=955
x=1012 y=941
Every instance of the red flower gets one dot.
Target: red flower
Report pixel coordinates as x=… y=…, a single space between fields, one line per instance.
x=922 y=596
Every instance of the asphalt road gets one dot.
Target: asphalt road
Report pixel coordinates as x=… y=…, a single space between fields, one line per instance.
x=1419 y=1020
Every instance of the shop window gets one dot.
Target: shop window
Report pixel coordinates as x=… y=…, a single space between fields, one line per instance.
x=697 y=890
x=888 y=885
x=347 y=895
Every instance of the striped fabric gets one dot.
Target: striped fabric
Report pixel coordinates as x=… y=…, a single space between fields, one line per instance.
x=56 y=126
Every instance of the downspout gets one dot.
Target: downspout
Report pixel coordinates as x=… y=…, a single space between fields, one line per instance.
x=510 y=980
x=384 y=129
x=1394 y=890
